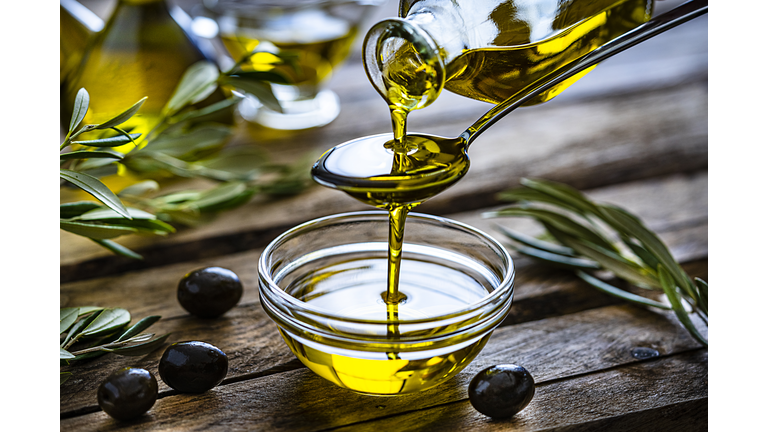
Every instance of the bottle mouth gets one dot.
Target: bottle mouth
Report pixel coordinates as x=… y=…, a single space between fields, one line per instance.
x=403 y=63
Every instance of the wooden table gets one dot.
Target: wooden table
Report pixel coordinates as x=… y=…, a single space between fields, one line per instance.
x=633 y=133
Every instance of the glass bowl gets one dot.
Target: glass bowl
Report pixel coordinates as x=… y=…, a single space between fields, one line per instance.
x=321 y=283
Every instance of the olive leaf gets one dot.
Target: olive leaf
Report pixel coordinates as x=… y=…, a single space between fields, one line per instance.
x=95 y=230
x=114 y=141
x=108 y=321
x=72 y=209
x=81 y=108
x=67 y=317
x=65 y=355
x=117 y=248
x=197 y=83
x=261 y=90
x=89 y=154
x=139 y=349
x=139 y=327
x=123 y=116
x=107 y=328
x=96 y=188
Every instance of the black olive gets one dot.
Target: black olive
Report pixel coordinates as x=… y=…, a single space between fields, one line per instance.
x=127 y=393
x=501 y=391
x=193 y=367
x=209 y=292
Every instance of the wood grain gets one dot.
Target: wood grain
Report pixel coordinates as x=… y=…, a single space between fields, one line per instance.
x=630 y=398
x=552 y=349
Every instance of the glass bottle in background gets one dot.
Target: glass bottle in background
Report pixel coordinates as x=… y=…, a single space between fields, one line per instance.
x=488 y=49
x=142 y=51
x=316 y=34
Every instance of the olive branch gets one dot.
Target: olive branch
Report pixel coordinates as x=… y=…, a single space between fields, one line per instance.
x=185 y=143
x=587 y=238
x=99 y=331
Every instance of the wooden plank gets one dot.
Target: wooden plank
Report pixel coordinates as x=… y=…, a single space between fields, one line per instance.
x=623 y=140
x=254 y=347
x=638 y=398
x=552 y=350
x=540 y=291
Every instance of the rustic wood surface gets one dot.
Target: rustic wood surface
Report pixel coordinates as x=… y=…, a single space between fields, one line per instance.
x=634 y=133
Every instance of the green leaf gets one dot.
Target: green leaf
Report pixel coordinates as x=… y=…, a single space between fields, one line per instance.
x=530 y=195
x=557 y=260
x=96 y=188
x=208 y=110
x=139 y=327
x=613 y=262
x=260 y=90
x=668 y=284
x=106 y=214
x=222 y=196
x=618 y=292
x=628 y=224
x=118 y=249
x=703 y=293
x=198 y=81
x=70 y=210
x=96 y=231
x=88 y=309
x=64 y=354
x=139 y=349
x=562 y=193
x=88 y=154
x=557 y=220
x=114 y=141
x=123 y=116
x=64 y=376
x=108 y=321
x=75 y=330
x=140 y=188
x=81 y=107
x=67 y=317
x=641 y=252
x=536 y=243
x=200 y=139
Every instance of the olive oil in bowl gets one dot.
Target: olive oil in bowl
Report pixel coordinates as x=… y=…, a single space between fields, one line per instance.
x=322 y=283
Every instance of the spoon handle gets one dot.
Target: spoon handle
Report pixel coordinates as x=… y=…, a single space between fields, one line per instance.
x=683 y=13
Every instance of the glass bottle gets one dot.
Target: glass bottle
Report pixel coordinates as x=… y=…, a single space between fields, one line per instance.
x=142 y=51
x=487 y=49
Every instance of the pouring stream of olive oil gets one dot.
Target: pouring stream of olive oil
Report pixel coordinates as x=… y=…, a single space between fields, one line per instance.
x=399 y=171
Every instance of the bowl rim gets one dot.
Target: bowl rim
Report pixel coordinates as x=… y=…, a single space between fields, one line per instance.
x=267 y=285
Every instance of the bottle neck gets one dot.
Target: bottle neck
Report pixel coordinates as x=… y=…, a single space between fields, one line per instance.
x=408 y=60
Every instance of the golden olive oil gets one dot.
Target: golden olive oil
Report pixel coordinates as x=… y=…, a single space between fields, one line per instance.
x=313 y=61
x=399 y=171
x=522 y=55
x=351 y=289
x=140 y=52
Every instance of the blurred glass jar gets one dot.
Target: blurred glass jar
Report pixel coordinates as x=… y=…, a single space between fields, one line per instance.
x=142 y=50
x=315 y=34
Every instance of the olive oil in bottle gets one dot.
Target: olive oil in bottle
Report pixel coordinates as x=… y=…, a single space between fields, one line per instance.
x=142 y=51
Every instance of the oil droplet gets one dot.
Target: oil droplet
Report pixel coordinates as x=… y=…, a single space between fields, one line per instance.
x=642 y=353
